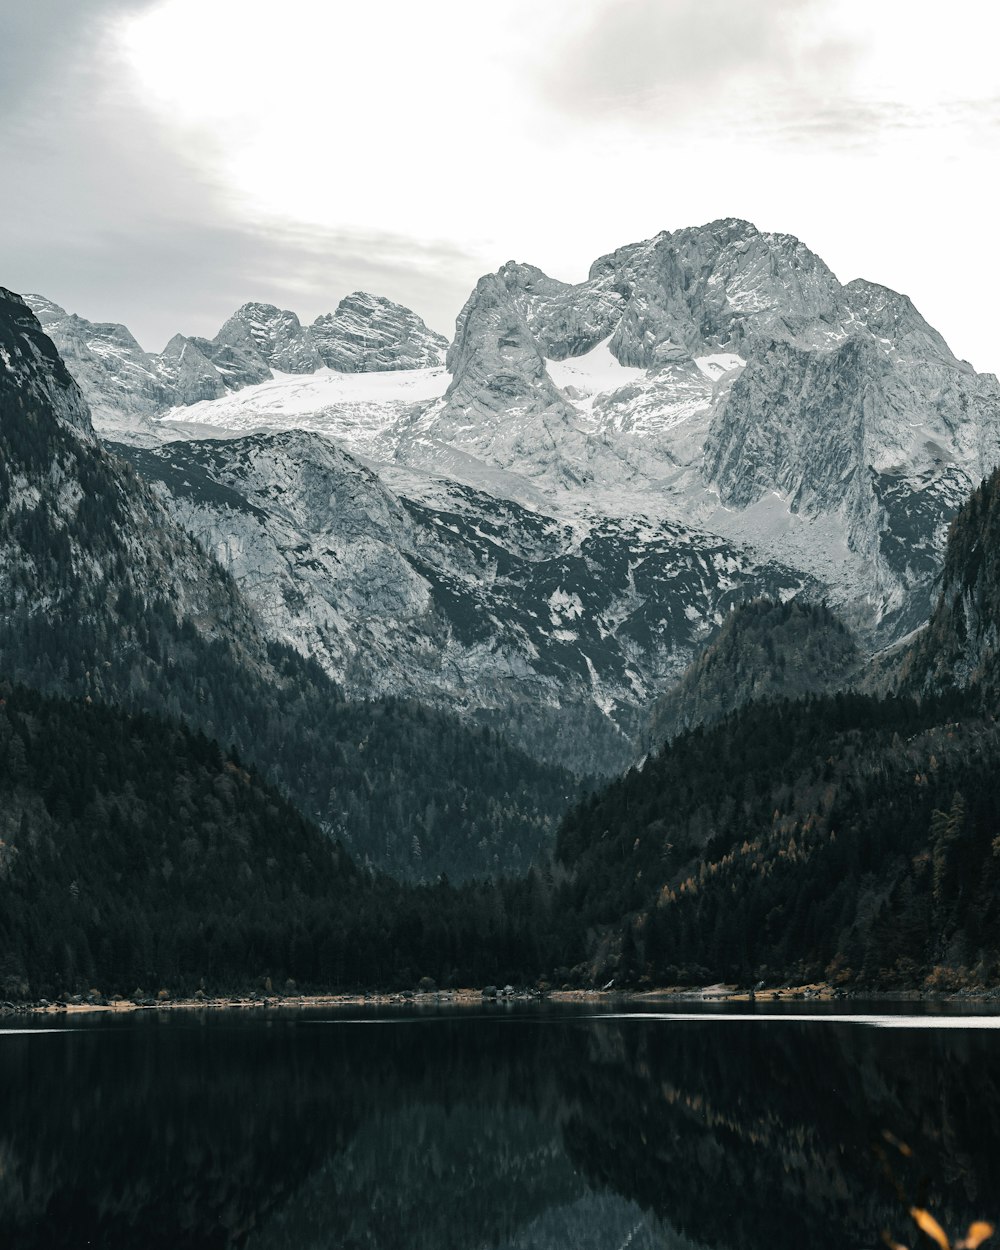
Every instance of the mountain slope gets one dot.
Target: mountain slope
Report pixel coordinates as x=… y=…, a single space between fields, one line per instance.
x=103 y=595
x=720 y=377
x=848 y=837
x=959 y=646
x=712 y=415
x=117 y=377
x=833 y=838
x=558 y=634
x=764 y=650
x=79 y=535
x=818 y=403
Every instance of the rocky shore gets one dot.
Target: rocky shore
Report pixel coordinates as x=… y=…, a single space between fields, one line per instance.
x=95 y=1003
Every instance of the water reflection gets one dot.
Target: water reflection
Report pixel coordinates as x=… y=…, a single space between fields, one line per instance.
x=533 y=1133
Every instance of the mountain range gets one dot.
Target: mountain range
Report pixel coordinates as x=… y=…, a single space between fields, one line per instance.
x=709 y=496
x=364 y=334
x=540 y=533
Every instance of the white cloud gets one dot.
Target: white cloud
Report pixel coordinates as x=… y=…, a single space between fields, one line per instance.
x=293 y=152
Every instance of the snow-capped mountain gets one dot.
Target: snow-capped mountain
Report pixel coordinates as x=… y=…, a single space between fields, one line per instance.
x=126 y=385
x=774 y=403
x=711 y=392
x=718 y=376
x=557 y=632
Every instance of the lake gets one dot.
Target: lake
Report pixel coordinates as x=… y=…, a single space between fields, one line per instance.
x=530 y=1127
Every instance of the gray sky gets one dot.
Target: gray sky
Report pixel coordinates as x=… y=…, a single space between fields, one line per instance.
x=166 y=160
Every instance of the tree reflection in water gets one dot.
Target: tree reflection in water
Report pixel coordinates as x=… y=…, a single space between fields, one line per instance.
x=537 y=1132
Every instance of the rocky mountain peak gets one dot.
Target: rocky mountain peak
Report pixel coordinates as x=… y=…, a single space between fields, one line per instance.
x=711 y=287
x=118 y=378
x=189 y=373
x=517 y=274
x=676 y=296
x=46 y=310
x=503 y=404
x=126 y=386
x=274 y=335
x=369 y=333
x=893 y=320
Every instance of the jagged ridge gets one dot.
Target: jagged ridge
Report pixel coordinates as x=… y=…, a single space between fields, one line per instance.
x=366 y=333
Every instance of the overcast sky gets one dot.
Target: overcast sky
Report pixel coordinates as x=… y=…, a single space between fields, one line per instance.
x=166 y=160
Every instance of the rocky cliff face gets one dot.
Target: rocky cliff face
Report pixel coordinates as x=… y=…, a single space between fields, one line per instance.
x=558 y=633
x=370 y=334
x=33 y=372
x=725 y=366
x=960 y=646
x=882 y=428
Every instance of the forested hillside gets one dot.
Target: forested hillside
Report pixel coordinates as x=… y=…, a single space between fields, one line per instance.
x=763 y=650
x=843 y=838
x=136 y=854
x=128 y=846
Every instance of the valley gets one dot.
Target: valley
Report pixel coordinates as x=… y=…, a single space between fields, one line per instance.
x=679 y=524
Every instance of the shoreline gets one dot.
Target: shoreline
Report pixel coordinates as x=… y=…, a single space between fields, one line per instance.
x=713 y=994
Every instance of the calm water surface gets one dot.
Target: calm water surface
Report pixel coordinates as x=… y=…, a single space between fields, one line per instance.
x=535 y=1129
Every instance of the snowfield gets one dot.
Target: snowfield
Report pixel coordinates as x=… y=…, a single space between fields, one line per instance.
x=278 y=402
x=595 y=373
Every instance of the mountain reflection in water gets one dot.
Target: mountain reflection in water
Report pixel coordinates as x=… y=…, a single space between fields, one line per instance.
x=535 y=1131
